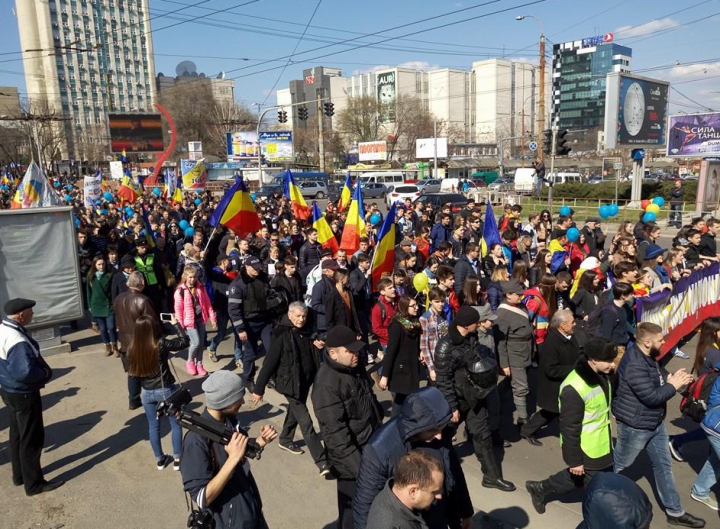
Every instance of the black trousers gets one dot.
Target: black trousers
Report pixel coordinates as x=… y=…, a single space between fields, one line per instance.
x=564 y=482
x=539 y=419
x=345 y=495
x=27 y=437
x=298 y=414
x=134 y=389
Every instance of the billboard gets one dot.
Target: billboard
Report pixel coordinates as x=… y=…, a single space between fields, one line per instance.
x=277 y=146
x=635 y=111
x=694 y=135
x=425 y=148
x=136 y=133
x=369 y=151
x=386 y=94
x=242 y=146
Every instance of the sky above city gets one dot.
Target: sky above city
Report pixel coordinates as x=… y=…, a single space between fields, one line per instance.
x=263 y=44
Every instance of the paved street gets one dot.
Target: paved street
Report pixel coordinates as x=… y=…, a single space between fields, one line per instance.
x=101 y=450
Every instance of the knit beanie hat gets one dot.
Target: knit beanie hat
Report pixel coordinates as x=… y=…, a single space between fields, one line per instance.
x=222 y=389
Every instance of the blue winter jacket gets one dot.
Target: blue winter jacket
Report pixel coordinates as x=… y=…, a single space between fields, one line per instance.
x=642 y=391
x=615 y=501
x=711 y=421
x=22 y=370
x=423 y=410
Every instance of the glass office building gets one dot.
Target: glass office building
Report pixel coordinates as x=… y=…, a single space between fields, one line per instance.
x=578 y=81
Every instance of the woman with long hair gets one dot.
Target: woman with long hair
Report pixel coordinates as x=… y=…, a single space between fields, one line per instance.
x=540 y=267
x=494 y=257
x=520 y=272
x=495 y=294
x=579 y=251
x=148 y=355
x=99 y=282
x=541 y=303
x=471 y=294
x=673 y=264
x=401 y=364
x=193 y=310
x=544 y=229
x=625 y=231
x=586 y=296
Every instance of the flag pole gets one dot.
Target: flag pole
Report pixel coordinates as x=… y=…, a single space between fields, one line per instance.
x=209 y=239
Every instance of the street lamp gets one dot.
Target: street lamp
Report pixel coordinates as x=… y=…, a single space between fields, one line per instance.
x=541 y=102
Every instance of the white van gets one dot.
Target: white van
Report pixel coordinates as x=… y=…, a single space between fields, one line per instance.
x=385 y=177
x=524 y=180
x=565 y=178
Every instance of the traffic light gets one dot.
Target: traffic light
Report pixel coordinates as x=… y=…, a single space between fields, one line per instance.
x=302 y=113
x=561 y=147
x=547 y=142
x=329 y=109
x=282 y=116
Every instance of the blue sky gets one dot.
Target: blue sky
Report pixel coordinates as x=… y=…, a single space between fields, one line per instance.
x=668 y=38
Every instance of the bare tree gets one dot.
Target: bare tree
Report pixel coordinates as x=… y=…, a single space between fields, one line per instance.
x=412 y=121
x=38 y=120
x=14 y=146
x=228 y=117
x=359 y=120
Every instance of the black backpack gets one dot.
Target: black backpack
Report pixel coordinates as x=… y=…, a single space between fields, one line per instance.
x=593 y=327
x=697 y=394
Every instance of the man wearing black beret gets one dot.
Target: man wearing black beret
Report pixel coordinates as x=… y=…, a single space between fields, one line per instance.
x=23 y=373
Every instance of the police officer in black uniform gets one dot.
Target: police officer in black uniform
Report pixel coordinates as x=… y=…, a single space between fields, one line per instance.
x=467 y=375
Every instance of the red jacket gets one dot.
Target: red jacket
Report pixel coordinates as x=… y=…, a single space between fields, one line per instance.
x=380 y=324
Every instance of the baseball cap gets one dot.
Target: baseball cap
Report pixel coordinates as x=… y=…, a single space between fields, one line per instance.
x=254 y=262
x=342 y=336
x=330 y=264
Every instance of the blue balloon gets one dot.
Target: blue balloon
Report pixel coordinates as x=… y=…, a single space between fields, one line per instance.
x=103 y=212
x=77 y=223
x=68 y=198
x=107 y=195
x=660 y=201
x=604 y=211
x=649 y=217
x=4 y=188
x=253 y=196
x=69 y=187
x=189 y=231
x=614 y=210
x=375 y=219
x=573 y=234
x=156 y=191
x=198 y=201
x=565 y=211
x=183 y=224
x=56 y=184
x=129 y=211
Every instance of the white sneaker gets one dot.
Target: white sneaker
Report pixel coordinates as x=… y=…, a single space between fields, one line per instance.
x=677 y=352
x=707 y=501
x=371 y=359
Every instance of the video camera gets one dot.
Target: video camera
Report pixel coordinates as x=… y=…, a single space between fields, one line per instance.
x=176 y=405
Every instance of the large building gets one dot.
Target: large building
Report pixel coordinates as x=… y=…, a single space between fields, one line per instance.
x=328 y=84
x=9 y=101
x=85 y=59
x=221 y=89
x=579 y=70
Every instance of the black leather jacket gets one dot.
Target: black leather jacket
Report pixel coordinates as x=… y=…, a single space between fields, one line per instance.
x=452 y=353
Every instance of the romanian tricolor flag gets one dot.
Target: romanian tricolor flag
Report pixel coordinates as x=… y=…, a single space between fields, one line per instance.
x=355 y=223
x=16 y=201
x=325 y=235
x=128 y=189
x=236 y=210
x=491 y=234
x=292 y=192
x=123 y=156
x=383 y=261
x=346 y=195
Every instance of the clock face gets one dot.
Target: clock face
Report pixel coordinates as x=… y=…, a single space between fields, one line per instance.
x=634 y=109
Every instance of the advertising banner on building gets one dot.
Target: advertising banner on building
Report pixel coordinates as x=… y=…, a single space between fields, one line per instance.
x=194 y=175
x=242 y=146
x=694 y=135
x=277 y=146
x=386 y=94
x=635 y=111
x=136 y=133
x=425 y=148
x=370 y=151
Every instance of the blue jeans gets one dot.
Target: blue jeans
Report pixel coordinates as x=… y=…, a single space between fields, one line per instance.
x=709 y=474
x=675 y=215
x=631 y=441
x=150 y=399
x=223 y=318
x=197 y=341
x=107 y=328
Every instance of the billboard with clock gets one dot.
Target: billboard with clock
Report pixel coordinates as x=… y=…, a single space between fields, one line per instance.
x=635 y=111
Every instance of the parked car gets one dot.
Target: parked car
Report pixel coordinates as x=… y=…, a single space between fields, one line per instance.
x=374 y=190
x=437 y=200
x=313 y=189
x=268 y=190
x=502 y=184
x=334 y=191
x=429 y=186
x=401 y=192
x=595 y=180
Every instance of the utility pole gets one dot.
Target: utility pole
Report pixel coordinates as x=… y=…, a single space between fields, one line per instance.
x=541 y=103
x=552 y=166
x=35 y=119
x=321 y=144
x=435 y=169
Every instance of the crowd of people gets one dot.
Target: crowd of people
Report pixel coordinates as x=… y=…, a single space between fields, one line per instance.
x=543 y=303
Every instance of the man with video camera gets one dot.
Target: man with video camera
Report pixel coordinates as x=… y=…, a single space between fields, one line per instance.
x=218 y=477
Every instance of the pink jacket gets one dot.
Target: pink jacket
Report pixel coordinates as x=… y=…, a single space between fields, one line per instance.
x=184 y=310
